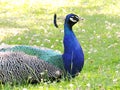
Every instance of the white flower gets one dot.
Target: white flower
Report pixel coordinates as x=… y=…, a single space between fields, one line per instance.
x=88 y=85
x=71 y=85
x=114 y=80
x=52 y=46
x=83 y=30
x=57 y=40
x=19 y=38
x=24 y=89
x=37 y=41
x=98 y=36
x=116 y=71
x=42 y=45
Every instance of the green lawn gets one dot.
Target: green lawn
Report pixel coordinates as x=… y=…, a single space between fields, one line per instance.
x=30 y=22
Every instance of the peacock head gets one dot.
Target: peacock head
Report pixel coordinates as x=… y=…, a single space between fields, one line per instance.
x=71 y=19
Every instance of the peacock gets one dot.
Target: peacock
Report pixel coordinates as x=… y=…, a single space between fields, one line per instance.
x=70 y=63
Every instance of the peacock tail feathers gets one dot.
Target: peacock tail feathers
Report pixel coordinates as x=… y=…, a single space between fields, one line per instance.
x=19 y=67
x=48 y=55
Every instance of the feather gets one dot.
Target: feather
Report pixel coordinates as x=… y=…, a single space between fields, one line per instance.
x=20 y=67
x=55 y=22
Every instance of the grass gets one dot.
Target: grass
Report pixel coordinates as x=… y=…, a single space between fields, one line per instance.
x=30 y=22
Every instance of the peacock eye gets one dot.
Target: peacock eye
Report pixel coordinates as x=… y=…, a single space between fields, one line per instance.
x=77 y=17
x=73 y=19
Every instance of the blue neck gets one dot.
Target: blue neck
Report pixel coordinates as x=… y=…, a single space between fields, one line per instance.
x=73 y=56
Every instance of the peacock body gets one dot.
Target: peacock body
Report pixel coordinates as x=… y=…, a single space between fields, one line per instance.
x=70 y=62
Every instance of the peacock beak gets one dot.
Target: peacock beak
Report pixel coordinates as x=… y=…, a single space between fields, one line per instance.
x=81 y=18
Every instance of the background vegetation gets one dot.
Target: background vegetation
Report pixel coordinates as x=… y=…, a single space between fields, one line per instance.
x=30 y=22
